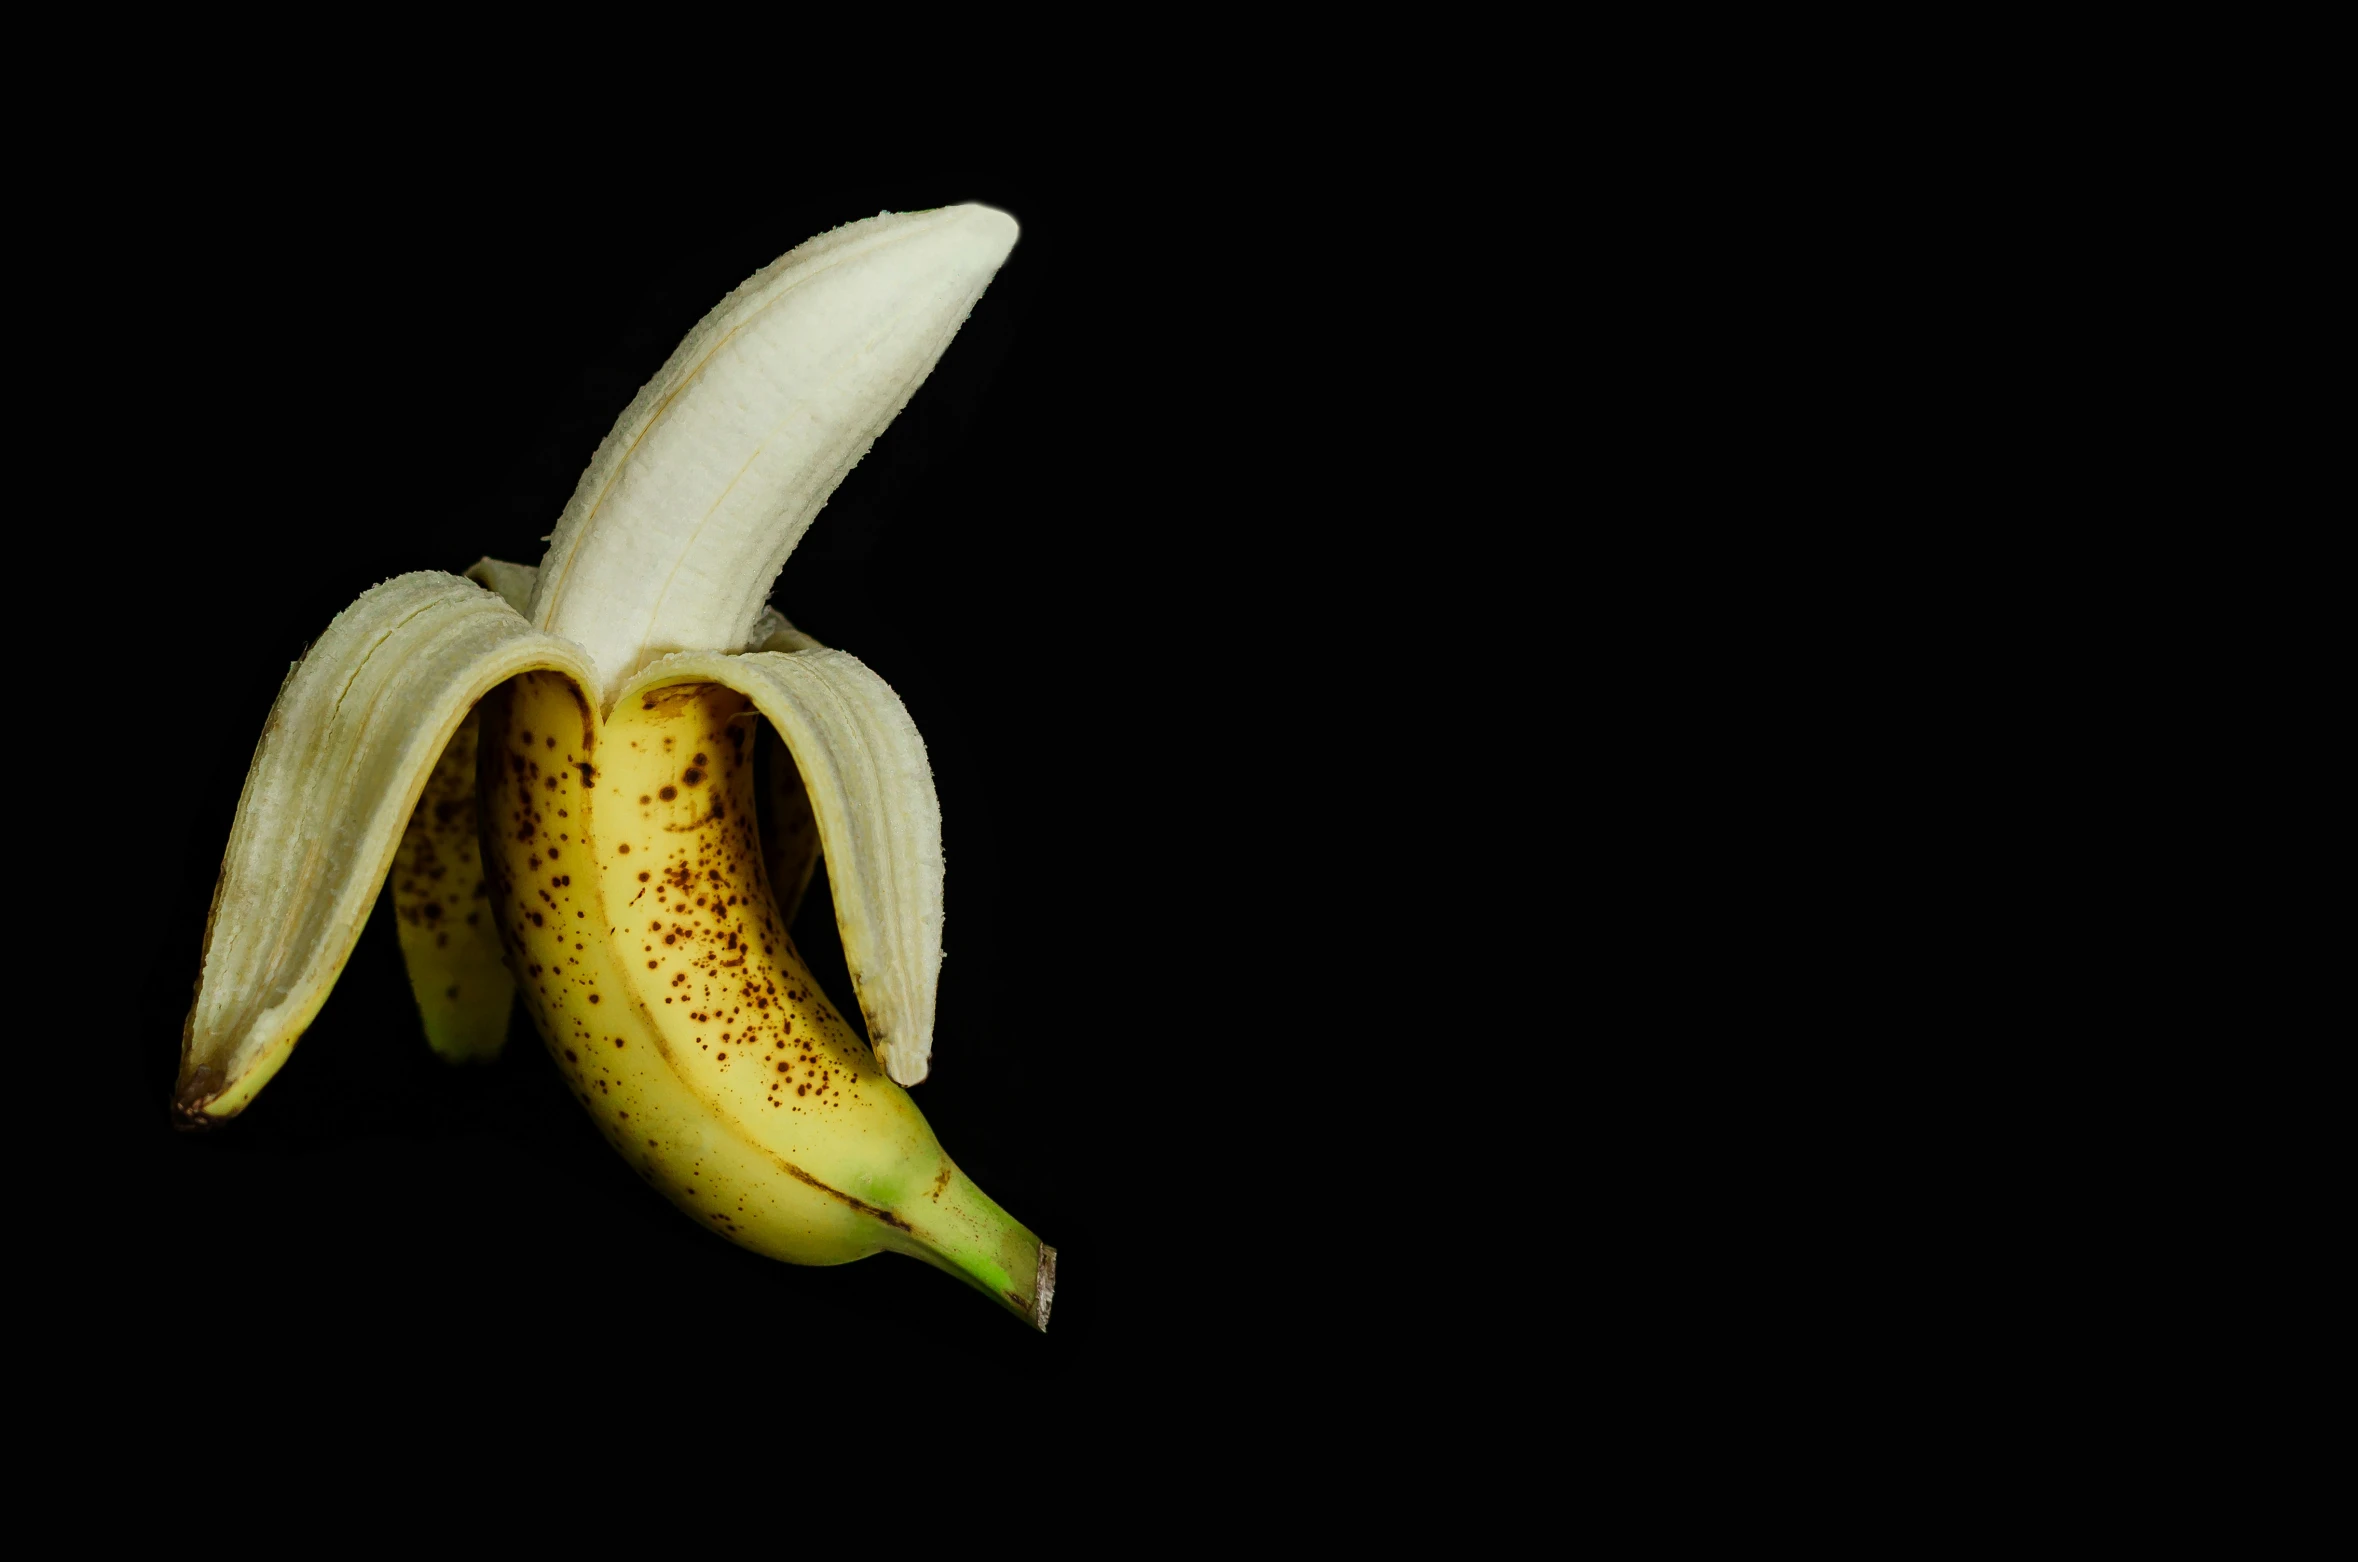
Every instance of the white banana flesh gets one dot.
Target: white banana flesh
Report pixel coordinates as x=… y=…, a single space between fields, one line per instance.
x=714 y=472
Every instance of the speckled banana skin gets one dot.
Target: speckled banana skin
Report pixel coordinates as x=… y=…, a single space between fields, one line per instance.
x=442 y=911
x=627 y=876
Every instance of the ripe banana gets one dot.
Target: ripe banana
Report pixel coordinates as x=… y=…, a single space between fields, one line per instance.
x=552 y=773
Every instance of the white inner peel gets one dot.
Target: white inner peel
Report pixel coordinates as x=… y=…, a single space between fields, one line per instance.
x=351 y=739
x=685 y=515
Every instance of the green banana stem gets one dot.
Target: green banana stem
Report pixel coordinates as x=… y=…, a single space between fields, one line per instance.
x=961 y=1230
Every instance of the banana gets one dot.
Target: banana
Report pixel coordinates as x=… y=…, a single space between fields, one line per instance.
x=557 y=776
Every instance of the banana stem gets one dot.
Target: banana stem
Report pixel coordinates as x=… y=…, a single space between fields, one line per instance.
x=961 y=1230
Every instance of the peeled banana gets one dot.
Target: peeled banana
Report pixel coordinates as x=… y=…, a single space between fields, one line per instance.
x=552 y=772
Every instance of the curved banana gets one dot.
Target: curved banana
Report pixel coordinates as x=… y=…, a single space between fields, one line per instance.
x=565 y=758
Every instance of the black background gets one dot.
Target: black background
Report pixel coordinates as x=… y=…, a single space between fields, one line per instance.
x=1049 y=556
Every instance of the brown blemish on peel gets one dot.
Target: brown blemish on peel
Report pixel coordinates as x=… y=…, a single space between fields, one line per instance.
x=191 y=1099
x=864 y=1207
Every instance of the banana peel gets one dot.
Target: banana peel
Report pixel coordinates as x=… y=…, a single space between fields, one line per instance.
x=550 y=771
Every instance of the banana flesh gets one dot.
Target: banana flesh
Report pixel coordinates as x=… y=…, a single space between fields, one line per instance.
x=715 y=470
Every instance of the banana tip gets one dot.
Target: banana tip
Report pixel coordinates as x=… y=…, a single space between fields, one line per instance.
x=1044 y=1290
x=196 y=1093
